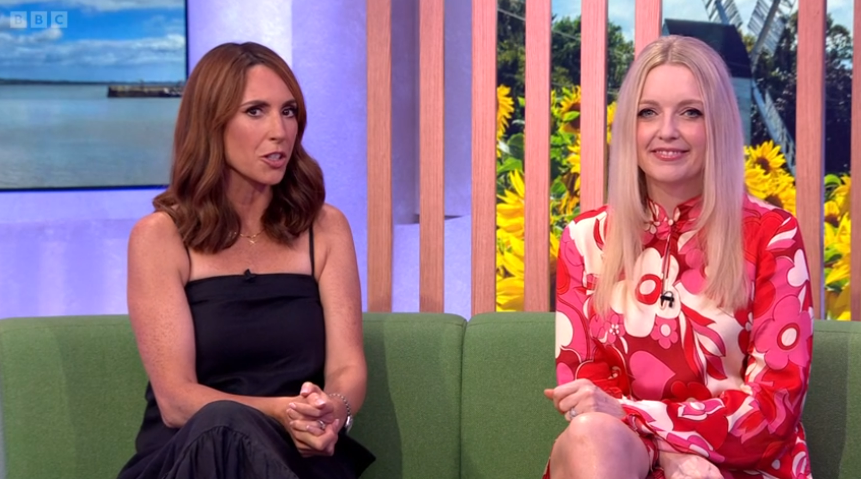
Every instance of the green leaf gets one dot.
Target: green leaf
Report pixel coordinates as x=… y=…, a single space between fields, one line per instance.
x=831 y=255
x=570 y=116
x=515 y=145
x=509 y=164
x=832 y=180
x=837 y=286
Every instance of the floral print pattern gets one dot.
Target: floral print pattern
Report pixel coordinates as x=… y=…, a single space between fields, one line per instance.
x=728 y=385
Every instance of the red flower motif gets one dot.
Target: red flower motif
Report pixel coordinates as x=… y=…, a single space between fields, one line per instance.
x=692 y=390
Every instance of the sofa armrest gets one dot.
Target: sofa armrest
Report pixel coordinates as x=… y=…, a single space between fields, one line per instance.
x=832 y=412
x=71 y=396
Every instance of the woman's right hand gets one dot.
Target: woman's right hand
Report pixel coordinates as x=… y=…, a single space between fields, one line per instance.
x=687 y=466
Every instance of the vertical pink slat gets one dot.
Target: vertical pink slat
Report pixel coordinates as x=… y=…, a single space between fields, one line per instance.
x=855 y=242
x=593 y=108
x=536 y=276
x=809 y=134
x=379 y=155
x=483 y=156
x=431 y=155
x=647 y=23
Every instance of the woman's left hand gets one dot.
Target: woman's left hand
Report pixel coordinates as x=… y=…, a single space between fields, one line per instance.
x=315 y=417
x=581 y=396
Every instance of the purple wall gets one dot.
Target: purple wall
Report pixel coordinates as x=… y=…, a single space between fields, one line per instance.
x=64 y=252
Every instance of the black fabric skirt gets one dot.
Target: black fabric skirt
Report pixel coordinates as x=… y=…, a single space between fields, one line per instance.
x=228 y=440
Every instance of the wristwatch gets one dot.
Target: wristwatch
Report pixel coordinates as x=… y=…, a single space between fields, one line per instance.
x=348 y=421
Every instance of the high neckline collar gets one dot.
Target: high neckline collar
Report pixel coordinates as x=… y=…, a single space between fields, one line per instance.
x=685 y=212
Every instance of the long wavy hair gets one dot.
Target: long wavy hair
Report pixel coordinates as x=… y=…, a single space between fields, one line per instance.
x=720 y=223
x=196 y=198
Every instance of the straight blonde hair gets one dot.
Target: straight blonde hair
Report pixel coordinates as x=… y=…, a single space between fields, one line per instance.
x=719 y=227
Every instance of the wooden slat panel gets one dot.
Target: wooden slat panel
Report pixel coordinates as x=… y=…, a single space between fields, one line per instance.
x=379 y=155
x=593 y=108
x=647 y=23
x=810 y=129
x=536 y=276
x=431 y=155
x=483 y=156
x=855 y=242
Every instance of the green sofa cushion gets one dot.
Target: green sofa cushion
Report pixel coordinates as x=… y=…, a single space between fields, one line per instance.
x=832 y=413
x=72 y=396
x=508 y=426
x=446 y=398
x=411 y=416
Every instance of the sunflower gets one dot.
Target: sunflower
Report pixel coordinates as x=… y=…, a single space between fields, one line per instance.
x=838 y=257
x=837 y=304
x=782 y=192
x=832 y=213
x=569 y=200
x=509 y=294
x=611 y=115
x=504 y=110
x=758 y=183
x=766 y=156
x=840 y=195
x=510 y=210
x=777 y=188
x=568 y=111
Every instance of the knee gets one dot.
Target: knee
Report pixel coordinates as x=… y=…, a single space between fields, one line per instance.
x=591 y=431
x=222 y=413
x=598 y=445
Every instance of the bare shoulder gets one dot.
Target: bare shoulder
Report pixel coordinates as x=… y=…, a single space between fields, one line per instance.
x=155 y=237
x=333 y=234
x=332 y=222
x=155 y=230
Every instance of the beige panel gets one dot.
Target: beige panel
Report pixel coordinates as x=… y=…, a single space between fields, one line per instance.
x=647 y=23
x=809 y=135
x=431 y=155
x=536 y=276
x=855 y=265
x=593 y=108
x=483 y=156
x=379 y=155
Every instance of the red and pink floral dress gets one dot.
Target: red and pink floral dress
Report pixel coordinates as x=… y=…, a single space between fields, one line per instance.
x=692 y=377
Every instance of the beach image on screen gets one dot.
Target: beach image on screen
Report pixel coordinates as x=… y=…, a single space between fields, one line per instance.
x=89 y=92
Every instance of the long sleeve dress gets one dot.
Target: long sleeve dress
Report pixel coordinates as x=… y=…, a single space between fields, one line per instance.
x=729 y=386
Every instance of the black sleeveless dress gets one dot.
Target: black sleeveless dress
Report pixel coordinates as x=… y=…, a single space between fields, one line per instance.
x=255 y=335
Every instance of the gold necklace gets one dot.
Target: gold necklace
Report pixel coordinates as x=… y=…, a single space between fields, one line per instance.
x=251 y=238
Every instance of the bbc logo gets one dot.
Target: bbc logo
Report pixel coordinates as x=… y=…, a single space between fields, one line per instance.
x=53 y=19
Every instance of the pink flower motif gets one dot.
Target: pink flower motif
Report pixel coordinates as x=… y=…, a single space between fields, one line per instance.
x=781 y=339
x=665 y=332
x=606 y=330
x=693 y=279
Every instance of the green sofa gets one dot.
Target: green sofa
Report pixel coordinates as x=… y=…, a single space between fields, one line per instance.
x=447 y=398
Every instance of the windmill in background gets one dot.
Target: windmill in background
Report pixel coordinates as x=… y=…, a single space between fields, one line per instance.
x=766 y=25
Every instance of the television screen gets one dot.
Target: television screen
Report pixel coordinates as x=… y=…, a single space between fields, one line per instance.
x=89 y=92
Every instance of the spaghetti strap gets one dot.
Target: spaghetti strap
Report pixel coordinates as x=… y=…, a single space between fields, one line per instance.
x=311 y=247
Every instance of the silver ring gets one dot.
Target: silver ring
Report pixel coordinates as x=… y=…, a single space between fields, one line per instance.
x=322 y=424
x=571 y=413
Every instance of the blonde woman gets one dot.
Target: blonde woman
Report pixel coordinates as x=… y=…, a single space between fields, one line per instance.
x=684 y=321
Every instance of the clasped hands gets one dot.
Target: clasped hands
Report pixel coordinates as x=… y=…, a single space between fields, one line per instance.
x=583 y=396
x=311 y=421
